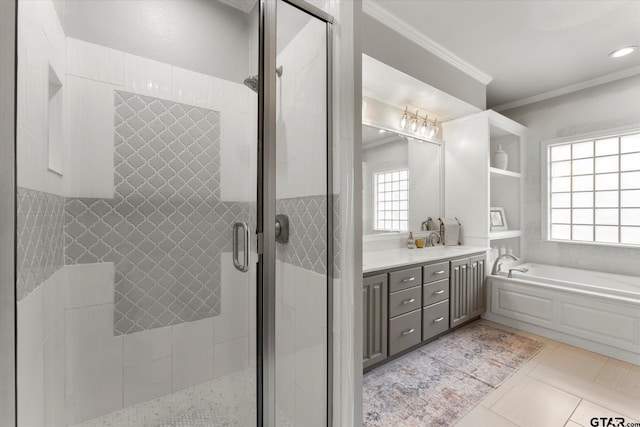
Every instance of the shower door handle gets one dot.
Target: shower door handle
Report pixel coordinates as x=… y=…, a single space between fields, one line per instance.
x=247 y=246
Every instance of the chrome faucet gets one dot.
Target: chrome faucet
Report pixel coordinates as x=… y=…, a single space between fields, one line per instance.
x=431 y=241
x=496 y=264
x=521 y=270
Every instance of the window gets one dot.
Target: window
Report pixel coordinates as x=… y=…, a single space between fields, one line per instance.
x=594 y=190
x=391 y=200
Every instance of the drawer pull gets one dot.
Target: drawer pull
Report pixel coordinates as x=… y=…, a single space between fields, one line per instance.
x=439 y=272
x=409 y=301
x=440 y=292
x=410 y=331
x=439 y=319
x=410 y=279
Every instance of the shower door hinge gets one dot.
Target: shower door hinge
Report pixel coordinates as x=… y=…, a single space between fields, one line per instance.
x=260 y=244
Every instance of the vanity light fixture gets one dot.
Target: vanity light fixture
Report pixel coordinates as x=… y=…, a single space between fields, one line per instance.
x=418 y=125
x=618 y=53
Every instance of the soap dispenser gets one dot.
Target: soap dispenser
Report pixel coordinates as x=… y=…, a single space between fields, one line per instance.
x=411 y=243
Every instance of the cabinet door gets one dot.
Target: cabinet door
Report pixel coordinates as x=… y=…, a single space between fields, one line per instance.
x=477 y=285
x=374 y=308
x=459 y=294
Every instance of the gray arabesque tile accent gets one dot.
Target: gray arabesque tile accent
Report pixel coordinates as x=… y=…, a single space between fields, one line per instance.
x=307 y=246
x=40 y=240
x=166 y=226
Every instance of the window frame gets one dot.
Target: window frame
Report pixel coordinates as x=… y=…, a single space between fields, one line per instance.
x=545 y=181
x=374 y=176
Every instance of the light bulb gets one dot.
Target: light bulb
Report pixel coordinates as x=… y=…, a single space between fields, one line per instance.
x=405 y=118
x=414 y=123
x=434 y=129
x=424 y=128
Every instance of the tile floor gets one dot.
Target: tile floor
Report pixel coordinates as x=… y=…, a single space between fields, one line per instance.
x=561 y=386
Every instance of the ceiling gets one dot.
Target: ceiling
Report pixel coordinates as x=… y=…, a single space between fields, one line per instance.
x=409 y=91
x=528 y=47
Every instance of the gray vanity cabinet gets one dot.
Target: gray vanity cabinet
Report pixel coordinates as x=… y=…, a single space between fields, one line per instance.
x=375 y=292
x=405 y=304
x=404 y=308
x=435 y=299
x=459 y=293
x=477 y=275
x=467 y=298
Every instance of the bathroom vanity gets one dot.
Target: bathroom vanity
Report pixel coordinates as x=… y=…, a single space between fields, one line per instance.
x=411 y=297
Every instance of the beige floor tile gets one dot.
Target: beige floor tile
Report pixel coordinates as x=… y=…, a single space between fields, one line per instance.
x=588 y=410
x=483 y=417
x=533 y=403
x=573 y=424
x=620 y=376
x=612 y=399
x=508 y=384
x=573 y=360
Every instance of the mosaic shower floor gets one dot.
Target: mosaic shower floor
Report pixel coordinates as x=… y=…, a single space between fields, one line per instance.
x=224 y=401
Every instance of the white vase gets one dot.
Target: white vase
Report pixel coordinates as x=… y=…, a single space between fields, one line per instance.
x=500 y=158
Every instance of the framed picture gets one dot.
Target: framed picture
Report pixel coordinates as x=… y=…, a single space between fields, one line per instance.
x=497 y=219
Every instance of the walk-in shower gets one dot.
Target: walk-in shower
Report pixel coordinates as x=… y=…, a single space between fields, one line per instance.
x=137 y=152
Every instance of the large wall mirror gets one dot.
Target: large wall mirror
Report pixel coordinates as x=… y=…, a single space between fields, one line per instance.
x=402 y=182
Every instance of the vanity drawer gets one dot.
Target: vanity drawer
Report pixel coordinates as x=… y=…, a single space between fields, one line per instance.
x=435 y=292
x=404 y=279
x=434 y=272
x=404 y=331
x=435 y=319
x=402 y=302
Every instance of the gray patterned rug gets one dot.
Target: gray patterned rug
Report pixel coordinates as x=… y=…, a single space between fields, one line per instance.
x=437 y=384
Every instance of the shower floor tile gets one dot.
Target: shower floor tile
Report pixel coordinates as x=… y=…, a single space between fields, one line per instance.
x=225 y=401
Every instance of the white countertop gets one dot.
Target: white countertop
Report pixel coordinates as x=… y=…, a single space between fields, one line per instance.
x=391 y=258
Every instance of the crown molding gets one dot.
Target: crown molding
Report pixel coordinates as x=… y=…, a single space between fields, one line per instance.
x=380 y=14
x=569 y=89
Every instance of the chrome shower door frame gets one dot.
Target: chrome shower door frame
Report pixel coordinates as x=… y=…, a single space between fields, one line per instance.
x=8 y=36
x=266 y=208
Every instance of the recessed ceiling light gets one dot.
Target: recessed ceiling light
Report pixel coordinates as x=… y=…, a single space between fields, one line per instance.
x=623 y=52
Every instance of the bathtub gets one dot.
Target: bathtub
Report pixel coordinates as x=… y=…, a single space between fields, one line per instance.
x=597 y=311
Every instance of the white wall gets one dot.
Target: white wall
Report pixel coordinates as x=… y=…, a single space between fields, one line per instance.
x=41 y=45
x=600 y=108
x=301 y=114
x=94 y=72
x=386 y=45
x=193 y=34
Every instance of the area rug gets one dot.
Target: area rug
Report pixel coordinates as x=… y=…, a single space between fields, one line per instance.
x=438 y=383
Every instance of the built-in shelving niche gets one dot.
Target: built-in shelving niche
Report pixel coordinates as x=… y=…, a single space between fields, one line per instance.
x=55 y=123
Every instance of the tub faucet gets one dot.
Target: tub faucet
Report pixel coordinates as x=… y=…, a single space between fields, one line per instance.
x=521 y=270
x=497 y=264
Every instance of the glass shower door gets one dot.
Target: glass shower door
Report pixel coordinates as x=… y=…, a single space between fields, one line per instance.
x=303 y=272
x=136 y=155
